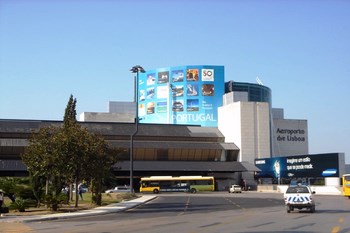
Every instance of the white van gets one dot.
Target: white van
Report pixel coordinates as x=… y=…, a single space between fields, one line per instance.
x=119 y=189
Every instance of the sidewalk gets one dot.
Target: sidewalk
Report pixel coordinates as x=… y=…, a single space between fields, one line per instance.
x=320 y=190
x=113 y=208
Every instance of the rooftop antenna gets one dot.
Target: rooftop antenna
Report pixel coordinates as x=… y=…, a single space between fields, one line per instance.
x=259 y=81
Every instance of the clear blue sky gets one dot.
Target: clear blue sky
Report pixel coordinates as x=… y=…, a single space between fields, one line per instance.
x=300 y=49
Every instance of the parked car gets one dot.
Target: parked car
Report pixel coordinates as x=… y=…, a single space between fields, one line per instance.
x=235 y=189
x=119 y=189
x=84 y=189
x=300 y=197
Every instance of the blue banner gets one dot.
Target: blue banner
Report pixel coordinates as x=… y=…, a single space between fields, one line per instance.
x=186 y=95
x=321 y=165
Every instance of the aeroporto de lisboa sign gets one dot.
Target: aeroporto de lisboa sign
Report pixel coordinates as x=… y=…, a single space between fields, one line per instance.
x=297 y=135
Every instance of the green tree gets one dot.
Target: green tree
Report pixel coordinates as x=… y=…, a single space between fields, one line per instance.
x=69 y=120
x=74 y=151
x=86 y=156
x=101 y=159
x=70 y=115
x=42 y=158
x=73 y=146
x=69 y=153
x=37 y=184
x=40 y=155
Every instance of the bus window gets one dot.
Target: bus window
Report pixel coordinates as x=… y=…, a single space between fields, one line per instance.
x=154 y=184
x=146 y=184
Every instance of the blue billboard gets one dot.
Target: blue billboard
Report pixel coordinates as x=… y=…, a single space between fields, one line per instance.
x=320 y=165
x=186 y=95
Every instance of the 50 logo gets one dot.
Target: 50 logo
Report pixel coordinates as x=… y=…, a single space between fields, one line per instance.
x=207 y=74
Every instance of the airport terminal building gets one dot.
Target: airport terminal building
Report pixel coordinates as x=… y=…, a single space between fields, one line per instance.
x=191 y=122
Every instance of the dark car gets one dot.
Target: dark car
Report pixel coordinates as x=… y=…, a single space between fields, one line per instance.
x=178 y=107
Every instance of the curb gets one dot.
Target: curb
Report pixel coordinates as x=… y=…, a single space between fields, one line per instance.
x=112 y=208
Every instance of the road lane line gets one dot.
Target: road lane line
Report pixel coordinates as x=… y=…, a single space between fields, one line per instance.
x=186 y=207
x=335 y=229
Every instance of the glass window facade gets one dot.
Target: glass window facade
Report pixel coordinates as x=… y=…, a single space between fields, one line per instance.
x=179 y=154
x=256 y=92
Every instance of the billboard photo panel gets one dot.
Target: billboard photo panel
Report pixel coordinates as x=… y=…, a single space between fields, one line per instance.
x=187 y=95
x=323 y=165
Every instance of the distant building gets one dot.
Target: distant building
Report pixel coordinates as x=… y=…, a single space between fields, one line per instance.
x=191 y=122
x=159 y=149
x=119 y=111
x=247 y=92
x=260 y=131
x=244 y=119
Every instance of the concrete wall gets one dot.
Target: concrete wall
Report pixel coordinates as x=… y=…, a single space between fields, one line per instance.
x=290 y=137
x=247 y=124
x=106 y=117
x=229 y=124
x=321 y=190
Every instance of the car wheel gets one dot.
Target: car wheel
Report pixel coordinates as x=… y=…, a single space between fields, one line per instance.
x=312 y=209
x=288 y=209
x=193 y=190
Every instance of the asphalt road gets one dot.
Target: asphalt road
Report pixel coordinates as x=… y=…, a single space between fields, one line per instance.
x=213 y=212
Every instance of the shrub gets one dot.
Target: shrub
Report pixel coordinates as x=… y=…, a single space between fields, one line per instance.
x=25 y=193
x=54 y=201
x=19 y=204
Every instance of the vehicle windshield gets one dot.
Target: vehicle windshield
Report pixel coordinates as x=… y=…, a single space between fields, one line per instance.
x=297 y=190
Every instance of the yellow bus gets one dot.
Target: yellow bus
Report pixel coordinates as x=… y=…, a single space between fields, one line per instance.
x=193 y=184
x=346 y=185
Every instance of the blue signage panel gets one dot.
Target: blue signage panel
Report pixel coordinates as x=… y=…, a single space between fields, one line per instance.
x=322 y=165
x=186 y=95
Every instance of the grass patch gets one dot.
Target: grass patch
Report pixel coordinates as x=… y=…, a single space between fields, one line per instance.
x=84 y=204
x=109 y=198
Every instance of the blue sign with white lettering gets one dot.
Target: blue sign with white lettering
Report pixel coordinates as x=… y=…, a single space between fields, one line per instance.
x=322 y=165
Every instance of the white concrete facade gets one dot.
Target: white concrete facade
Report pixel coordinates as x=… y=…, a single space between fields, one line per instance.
x=290 y=137
x=119 y=111
x=236 y=96
x=247 y=124
x=106 y=117
x=122 y=107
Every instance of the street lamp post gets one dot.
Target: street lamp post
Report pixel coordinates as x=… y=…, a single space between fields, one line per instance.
x=135 y=69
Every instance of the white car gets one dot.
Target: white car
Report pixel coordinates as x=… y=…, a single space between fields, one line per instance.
x=119 y=189
x=299 y=197
x=235 y=189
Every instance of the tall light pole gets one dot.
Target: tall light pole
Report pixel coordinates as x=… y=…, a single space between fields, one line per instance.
x=136 y=70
